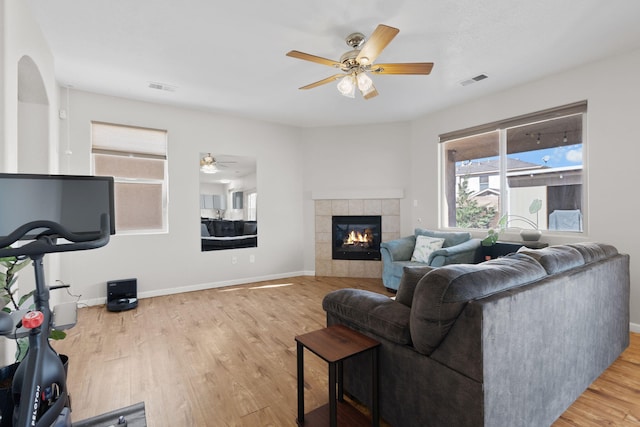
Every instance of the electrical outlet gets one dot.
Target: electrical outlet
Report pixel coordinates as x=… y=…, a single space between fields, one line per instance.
x=234 y=260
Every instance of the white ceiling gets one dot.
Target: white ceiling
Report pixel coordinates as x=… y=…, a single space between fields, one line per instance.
x=227 y=56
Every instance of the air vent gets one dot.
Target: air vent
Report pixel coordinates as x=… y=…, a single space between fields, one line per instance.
x=474 y=79
x=162 y=86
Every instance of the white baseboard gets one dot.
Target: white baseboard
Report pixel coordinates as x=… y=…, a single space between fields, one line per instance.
x=633 y=327
x=201 y=287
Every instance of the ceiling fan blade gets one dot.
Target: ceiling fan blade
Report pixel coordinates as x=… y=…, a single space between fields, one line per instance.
x=323 y=81
x=226 y=161
x=407 y=68
x=380 y=38
x=317 y=59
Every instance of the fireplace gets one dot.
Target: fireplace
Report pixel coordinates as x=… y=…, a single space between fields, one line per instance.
x=356 y=237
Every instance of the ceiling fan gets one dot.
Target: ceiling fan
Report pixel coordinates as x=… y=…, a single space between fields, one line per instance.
x=209 y=164
x=360 y=60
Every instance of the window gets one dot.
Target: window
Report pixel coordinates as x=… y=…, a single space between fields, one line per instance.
x=137 y=159
x=484 y=182
x=252 y=206
x=505 y=168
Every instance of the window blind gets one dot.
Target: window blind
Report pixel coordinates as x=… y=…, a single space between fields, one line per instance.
x=109 y=138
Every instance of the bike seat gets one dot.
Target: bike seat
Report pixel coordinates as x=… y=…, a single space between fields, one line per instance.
x=6 y=324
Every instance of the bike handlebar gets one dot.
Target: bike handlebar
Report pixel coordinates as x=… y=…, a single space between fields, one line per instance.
x=47 y=241
x=42 y=366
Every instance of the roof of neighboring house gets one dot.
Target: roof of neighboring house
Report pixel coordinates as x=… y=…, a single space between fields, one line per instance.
x=486 y=192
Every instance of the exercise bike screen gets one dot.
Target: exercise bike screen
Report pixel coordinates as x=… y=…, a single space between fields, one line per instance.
x=75 y=202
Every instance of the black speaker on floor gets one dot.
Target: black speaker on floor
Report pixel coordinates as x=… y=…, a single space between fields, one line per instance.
x=122 y=294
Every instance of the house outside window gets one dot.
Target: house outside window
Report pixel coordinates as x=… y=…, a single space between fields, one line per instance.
x=501 y=168
x=137 y=159
x=484 y=182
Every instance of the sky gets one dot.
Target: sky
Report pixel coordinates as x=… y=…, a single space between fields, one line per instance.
x=569 y=155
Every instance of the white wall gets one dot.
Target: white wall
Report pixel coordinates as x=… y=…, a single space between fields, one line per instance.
x=611 y=89
x=33 y=152
x=173 y=262
x=22 y=36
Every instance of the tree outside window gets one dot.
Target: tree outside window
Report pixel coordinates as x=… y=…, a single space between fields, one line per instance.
x=490 y=173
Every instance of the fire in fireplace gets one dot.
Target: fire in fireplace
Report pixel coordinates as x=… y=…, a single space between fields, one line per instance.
x=356 y=237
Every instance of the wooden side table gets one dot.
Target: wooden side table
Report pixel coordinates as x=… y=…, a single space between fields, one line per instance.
x=334 y=344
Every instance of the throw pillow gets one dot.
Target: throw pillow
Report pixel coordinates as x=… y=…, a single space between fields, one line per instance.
x=410 y=277
x=424 y=247
x=451 y=238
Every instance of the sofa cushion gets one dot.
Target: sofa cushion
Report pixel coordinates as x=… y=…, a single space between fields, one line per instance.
x=410 y=278
x=250 y=227
x=425 y=246
x=555 y=259
x=451 y=238
x=592 y=252
x=441 y=295
x=370 y=311
x=223 y=228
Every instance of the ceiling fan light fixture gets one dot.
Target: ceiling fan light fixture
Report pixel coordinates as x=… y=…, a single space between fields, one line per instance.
x=364 y=82
x=208 y=164
x=347 y=86
x=208 y=169
x=369 y=91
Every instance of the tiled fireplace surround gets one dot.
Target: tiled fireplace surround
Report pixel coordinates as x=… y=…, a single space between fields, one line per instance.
x=389 y=209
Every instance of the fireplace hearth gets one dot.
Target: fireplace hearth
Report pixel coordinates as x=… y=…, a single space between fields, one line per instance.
x=356 y=237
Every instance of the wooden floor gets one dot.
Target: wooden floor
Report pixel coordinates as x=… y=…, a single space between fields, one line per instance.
x=227 y=357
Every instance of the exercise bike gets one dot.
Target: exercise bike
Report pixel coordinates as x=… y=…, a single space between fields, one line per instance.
x=39 y=388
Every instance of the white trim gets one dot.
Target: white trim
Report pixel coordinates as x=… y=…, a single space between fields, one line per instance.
x=201 y=287
x=391 y=193
x=633 y=327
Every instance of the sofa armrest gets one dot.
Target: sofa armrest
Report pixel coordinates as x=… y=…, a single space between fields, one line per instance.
x=399 y=249
x=464 y=253
x=371 y=312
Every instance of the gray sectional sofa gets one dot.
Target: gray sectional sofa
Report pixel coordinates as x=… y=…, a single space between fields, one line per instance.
x=508 y=342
